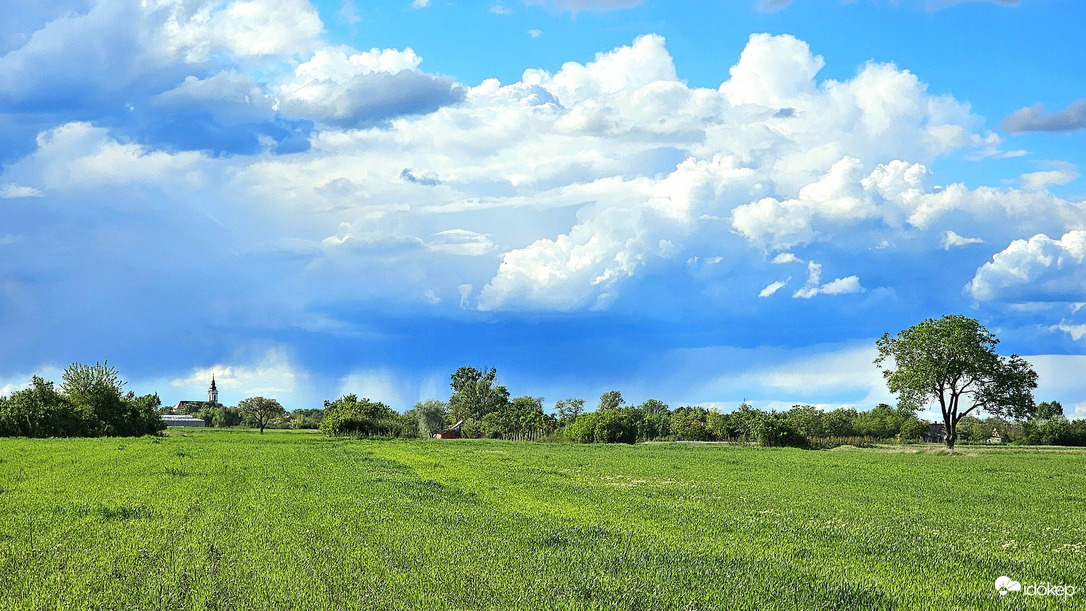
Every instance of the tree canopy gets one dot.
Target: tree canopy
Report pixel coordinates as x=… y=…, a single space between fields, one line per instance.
x=609 y=400
x=262 y=410
x=952 y=361
x=1048 y=410
x=89 y=403
x=349 y=416
x=475 y=394
x=431 y=416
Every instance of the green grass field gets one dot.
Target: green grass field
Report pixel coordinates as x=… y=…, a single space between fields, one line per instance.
x=291 y=520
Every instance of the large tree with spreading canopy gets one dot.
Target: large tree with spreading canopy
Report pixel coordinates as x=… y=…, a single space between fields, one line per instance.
x=952 y=361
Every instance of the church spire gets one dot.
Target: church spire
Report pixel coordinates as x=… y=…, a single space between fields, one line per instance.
x=212 y=393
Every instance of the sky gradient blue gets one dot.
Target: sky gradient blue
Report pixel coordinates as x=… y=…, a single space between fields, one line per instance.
x=312 y=199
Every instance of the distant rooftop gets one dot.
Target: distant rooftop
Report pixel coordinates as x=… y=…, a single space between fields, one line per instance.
x=182 y=420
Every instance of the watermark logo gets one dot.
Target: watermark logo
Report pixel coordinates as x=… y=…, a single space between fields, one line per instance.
x=1005 y=584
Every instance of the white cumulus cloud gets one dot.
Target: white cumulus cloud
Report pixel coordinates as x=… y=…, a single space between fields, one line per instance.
x=554 y=192
x=1036 y=269
x=271 y=375
x=341 y=86
x=837 y=286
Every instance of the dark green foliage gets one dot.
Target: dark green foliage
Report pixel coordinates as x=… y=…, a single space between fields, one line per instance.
x=911 y=430
x=1055 y=431
x=881 y=421
x=142 y=415
x=655 y=425
x=611 y=399
x=1049 y=427
x=691 y=424
x=349 y=416
x=475 y=394
x=89 y=404
x=952 y=359
x=1048 y=409
x=431 y=416
x=654 y=406
x=977 y=430
x=621 y=425
x=95 y=390
x=839 y=422
x=617 y=426
x=808 y=420
x=583 y=428
x=776 y=430
x=218 y=416
x=224 y=417
x=471 y=429
x=743 y=421
x=193 y=408
x=520 y=417
x=306 y=418
x=801 y=426
x=568 y=410
x=262 y=410
x=40 y=411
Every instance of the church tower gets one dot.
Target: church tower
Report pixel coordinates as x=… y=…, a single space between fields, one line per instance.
x=213 y=393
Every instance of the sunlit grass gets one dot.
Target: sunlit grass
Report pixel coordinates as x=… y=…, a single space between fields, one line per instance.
x=232 y=519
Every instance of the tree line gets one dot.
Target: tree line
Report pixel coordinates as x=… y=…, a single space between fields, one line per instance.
x=942 y=361
x=950 y=362
x=90 y=402
x=485 y=410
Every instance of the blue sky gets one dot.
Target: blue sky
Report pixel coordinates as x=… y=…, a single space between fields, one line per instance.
x=702 y=202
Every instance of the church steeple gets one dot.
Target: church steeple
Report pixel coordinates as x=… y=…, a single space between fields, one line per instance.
x=213 y=393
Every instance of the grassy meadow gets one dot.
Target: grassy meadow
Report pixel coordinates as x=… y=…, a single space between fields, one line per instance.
x=204 y=519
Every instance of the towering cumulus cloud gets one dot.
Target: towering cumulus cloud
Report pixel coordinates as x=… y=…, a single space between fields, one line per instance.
x=322 y=185
x=1037 y=269
x=786 y=159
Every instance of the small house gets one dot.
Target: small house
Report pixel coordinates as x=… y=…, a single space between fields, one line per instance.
x=453 y=432
x=935 y=433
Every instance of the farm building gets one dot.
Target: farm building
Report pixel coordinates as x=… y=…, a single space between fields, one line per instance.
x=181 y=420
x=936 y=433
x=453 y=432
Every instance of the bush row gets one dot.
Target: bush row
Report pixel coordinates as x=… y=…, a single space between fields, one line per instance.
x=89 y=403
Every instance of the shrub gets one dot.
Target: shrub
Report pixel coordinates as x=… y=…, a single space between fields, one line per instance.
x=1057 y=431
x=347 y=416
x=583 y=428
x=911 y=430
x=690 y=424
x=617 y=426
x=775 y=430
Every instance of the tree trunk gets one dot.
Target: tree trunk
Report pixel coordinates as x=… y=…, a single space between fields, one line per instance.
x=951 y=436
